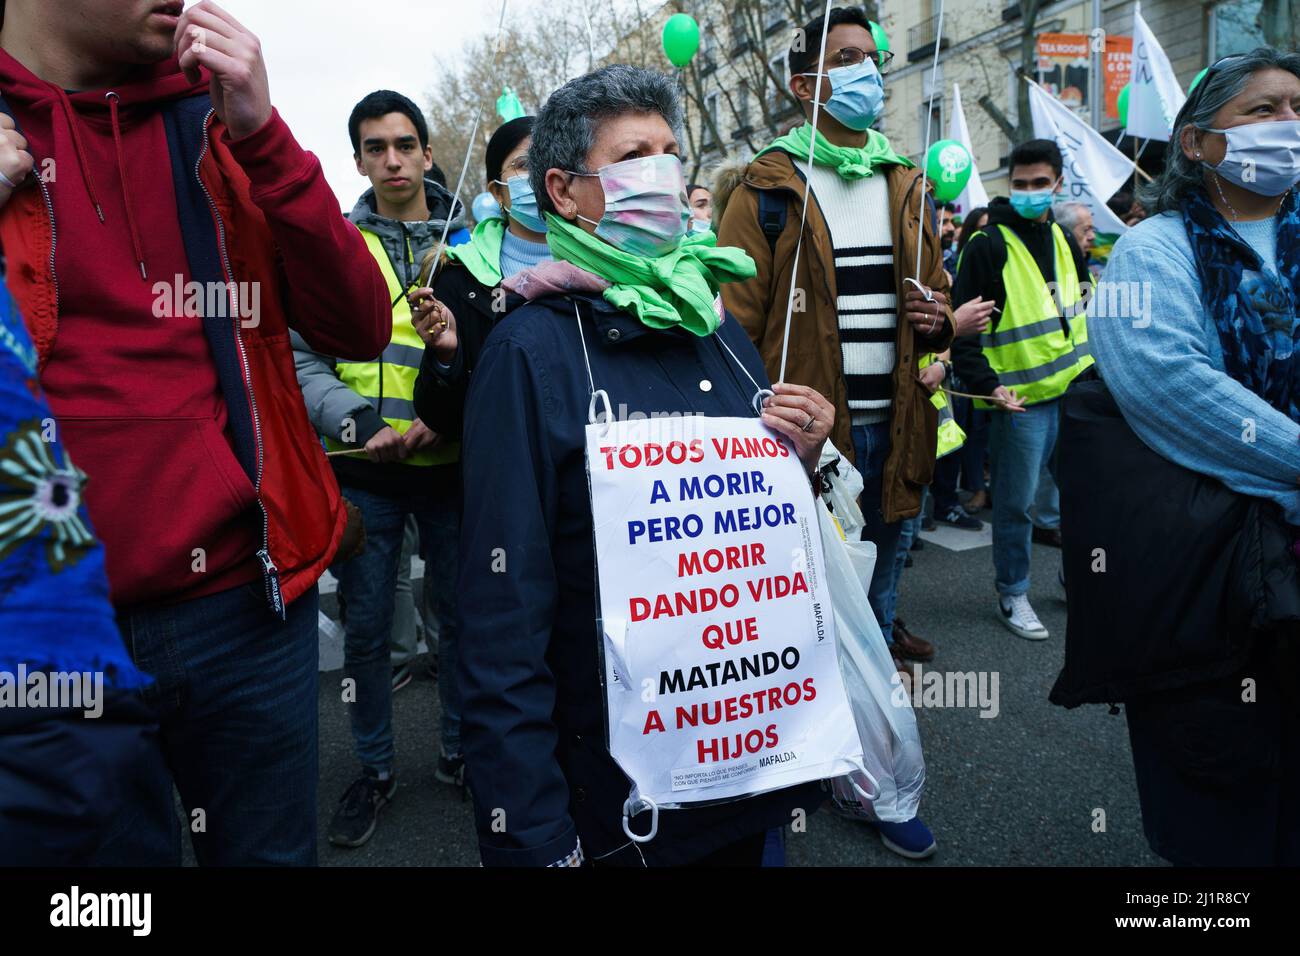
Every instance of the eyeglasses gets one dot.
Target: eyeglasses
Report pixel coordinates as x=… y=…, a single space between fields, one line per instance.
x=520 y=165
x=852 y=56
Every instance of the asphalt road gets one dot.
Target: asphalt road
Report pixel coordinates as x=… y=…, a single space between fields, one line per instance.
x=1020 y=789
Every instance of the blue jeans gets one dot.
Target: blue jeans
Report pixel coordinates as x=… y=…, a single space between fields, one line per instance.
x=235 y=695
x=1020 y=447
x=871 y=448
x=368 y=584
x=1047 y=501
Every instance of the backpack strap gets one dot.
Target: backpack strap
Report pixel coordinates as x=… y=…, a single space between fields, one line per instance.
x=772 y=211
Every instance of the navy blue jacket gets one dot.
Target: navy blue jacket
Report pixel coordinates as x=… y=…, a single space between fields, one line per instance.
x=534 y=723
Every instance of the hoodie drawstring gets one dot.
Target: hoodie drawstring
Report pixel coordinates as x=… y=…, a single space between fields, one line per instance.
x=80 y=150
x=74 y=125
x=126 y=189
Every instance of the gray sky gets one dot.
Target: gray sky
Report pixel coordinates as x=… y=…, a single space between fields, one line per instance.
x=324 y=55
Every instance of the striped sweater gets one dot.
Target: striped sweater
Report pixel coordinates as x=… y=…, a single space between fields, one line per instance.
x=856 y=213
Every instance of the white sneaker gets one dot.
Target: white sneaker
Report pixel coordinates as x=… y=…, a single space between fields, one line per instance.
x=1019 y=617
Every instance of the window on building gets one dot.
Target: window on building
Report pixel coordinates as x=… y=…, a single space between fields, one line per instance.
x=1238 y=26
x=935 y=124
x=711 y=109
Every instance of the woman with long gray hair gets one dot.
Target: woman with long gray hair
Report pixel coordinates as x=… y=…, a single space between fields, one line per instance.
x=1194 y=330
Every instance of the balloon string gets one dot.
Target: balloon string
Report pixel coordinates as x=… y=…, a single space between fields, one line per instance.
x=469 y=150
x=807 y=187
x=929 y=120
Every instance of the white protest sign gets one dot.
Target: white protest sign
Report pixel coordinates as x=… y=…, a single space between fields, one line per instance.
x=719 y=645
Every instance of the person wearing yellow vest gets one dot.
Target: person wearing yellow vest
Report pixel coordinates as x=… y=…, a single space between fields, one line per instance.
x=1036 y=345
x=401 y=468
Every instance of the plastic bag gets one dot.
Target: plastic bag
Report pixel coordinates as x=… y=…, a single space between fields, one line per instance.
x=841 y=486
x=891 y=743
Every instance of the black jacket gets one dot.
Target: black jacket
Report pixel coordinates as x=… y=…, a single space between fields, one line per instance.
x=1171 y=576
x=440 y=391
x=979 y=273
x=533 y=708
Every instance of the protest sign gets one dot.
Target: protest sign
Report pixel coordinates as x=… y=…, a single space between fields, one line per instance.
x=718 y=637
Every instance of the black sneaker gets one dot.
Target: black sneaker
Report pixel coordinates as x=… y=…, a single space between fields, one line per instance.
x=451 y=769
x=354 y=821
x=958 y=517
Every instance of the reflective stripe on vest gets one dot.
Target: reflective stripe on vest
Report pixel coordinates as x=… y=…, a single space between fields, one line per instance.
x=951 y=436
x=1030 y=350
x=399 y=366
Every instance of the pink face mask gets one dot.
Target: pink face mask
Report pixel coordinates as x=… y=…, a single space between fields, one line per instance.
x=646 y=212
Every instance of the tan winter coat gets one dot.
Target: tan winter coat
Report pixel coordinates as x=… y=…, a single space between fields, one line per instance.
x=815 y=358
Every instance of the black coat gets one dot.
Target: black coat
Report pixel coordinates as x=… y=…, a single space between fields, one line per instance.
x=530 y=671
x=440 y=393
x=1171 y=576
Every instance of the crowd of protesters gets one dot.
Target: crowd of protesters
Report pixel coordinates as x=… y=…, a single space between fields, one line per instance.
x=403 y=386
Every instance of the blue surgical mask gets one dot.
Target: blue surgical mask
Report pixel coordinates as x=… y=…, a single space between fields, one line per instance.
x=523 y=203
x=698 y=225
x=1262 y=157
x=645 y=205
x=1032 y=203
x=857 y=94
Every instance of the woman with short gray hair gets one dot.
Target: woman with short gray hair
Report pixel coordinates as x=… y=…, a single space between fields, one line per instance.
x=1194 y=329
x=631 y=305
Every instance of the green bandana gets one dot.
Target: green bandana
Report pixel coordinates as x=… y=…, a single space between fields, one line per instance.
x=482 y=254
x=851 y=162
x=676 y=289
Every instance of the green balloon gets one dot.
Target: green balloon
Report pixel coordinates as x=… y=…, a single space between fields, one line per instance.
x=948 y=165
x=1197 y=79
x=880 y=37
x=681 y=39
x=1122 y=103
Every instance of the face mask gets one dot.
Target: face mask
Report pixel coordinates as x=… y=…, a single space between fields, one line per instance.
x=645 y=205
x=1262 y=157
x=697 y=225
x=1032 y=203
x=857 y=94
x=523 y=203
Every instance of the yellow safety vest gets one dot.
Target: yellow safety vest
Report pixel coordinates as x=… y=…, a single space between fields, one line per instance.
x=389 y=383
x=951 y=436
x=1029 y=349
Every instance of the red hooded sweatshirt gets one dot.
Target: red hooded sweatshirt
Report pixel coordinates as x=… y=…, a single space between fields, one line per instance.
x=132 y=383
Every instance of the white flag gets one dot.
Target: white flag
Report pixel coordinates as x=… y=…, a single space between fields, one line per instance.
x=1093 y=168
x=1154 y=97
x=973 y=196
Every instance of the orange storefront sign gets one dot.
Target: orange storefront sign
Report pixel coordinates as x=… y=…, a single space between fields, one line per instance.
x=1065 y=60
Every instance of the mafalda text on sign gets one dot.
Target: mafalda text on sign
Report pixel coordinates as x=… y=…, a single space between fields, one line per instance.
x=720 y=663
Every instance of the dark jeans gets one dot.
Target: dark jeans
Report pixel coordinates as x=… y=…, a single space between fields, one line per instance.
x=368 y=585
x=235 y=695
x=871 y=448
x=975 y=423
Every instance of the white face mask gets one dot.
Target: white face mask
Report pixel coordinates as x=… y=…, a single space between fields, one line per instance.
x=1262 y=157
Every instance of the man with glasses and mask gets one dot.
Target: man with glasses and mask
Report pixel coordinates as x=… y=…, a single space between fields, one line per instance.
x=859 y=324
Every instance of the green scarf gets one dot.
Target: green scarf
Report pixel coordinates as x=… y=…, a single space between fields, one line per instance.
x=482 y=254
x=851 y=162
x=675 y=289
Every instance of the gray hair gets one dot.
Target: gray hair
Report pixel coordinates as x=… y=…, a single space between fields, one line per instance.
x=1070 y=214
x=565 y=131
x=1226 y=79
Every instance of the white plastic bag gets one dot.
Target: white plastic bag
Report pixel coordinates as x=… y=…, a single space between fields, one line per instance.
x=841 y=486
x=891 y=744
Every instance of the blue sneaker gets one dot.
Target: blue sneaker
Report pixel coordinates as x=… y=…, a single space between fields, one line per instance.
x=912 y=839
